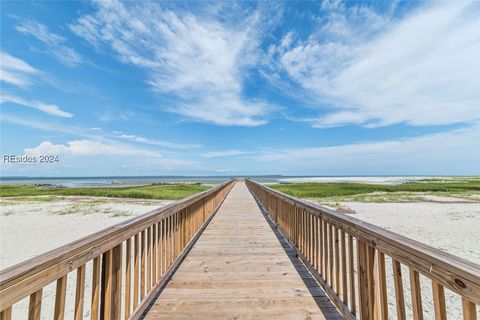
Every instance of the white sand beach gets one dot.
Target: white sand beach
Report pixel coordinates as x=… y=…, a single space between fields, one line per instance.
x=25 y=224
x=29 y=228
x=369 y=180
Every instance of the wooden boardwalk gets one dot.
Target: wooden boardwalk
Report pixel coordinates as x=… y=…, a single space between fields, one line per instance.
x=238 y=269
x=217 y=255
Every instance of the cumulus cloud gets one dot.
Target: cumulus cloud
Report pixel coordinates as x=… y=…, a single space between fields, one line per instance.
x=86 y=147
x=47 y=108
x=199 y=61
x=422 y=69
x=55 y=44
x=15 y=71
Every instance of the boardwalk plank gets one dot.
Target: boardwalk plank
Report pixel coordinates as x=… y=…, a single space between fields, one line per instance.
x=238 y=269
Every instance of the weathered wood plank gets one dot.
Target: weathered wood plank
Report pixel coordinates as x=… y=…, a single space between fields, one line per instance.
x=238 y=268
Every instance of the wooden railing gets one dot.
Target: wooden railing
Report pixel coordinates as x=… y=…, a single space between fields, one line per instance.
x=348 y=258
x=129 y=263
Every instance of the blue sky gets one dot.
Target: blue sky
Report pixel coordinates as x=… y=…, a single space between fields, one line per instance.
x=241 y=88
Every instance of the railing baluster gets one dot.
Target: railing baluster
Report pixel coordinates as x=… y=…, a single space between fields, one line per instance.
x=142 y=267
x=159 y=251
x=169 y=242
x=35 y=305
x=469 y=310
x=337 y=261
x=164 y=247
x=116 y=282
x=353 y=303
x=154 y=254
x=382 y=285
x=416 y=295
x=362 y=280
x=344 y=268
x=6 y=314
x=330 y=253
x=309 y=238
x=136 y=270
x=95 y=304
x=320 y=230
x=60 y=294
x=371 y=279
x=107 y=285
x=79 y=293
x=149 y=259
x=325 y=251
x=439 y=301
x=317 y=244
x=128 y=275
x=399 y=296
x=313 y=236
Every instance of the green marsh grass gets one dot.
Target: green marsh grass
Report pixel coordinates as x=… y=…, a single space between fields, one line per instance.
x=391 y=192
x=160 y=192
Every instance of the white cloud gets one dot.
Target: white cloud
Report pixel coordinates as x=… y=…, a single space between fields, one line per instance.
x=55 y=43
x=100 y=158
x=200 y=61
x=223 y=153
x=155 y=142
x=421 y=70
x=47 y=108
x=88 y=148
x=15 y=71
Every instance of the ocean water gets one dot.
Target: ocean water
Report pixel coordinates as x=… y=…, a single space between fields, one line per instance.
x=207 y=180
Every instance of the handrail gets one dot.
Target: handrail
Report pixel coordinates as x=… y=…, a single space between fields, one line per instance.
x=158 y=239
x=325 y=240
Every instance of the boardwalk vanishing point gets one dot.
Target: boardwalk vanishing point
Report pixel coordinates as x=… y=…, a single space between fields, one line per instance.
x=238 y=269
x=242 y=251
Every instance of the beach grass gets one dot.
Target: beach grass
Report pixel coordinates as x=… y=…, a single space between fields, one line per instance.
x=161 y=192
x=445 y=187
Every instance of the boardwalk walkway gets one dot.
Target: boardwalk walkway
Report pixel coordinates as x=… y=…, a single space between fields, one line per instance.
x=238 y=269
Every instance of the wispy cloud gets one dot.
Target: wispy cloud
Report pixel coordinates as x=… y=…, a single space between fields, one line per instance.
x=47 y=108
x=15 y=71
x=422 y=69
x=455 y=152
x=55 y=44
x=155 y=142
x=200 y=61
x=223 y=153
x=94 y=133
